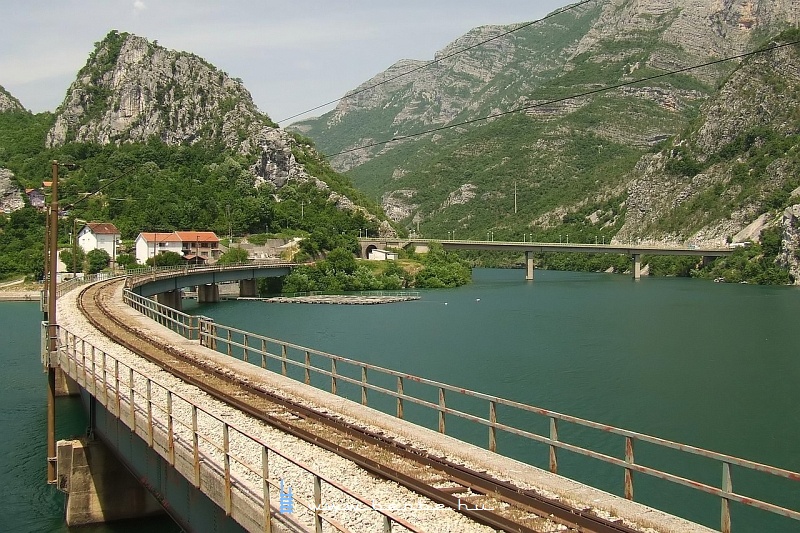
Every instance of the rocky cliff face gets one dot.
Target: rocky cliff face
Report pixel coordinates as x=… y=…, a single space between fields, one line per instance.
x=734 y=173
x=132 y=90
x=8 y=102
x=10 y=193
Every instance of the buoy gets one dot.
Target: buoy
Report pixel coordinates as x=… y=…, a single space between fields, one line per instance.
x=477 y=299
x=445 y=303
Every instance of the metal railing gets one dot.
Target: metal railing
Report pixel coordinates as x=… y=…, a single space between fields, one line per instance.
x=312 y=365
x=168 y=422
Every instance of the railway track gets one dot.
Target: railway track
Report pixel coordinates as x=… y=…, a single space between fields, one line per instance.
x=485 y=499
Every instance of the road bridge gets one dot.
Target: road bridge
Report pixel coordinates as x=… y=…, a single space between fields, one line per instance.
x=635 y=252
x=191 y=454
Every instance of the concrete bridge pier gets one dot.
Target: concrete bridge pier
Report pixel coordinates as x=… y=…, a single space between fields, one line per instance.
x=171 y=299
x=529 y=265
x=99 y=488
x=208 y=293
x=637 y=266
x=248 y=288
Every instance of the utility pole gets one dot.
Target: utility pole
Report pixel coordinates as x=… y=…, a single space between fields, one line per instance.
x=52 y=331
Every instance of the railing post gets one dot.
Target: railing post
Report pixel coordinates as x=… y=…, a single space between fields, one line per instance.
x=442 y=408
x=226 y=448
x=230 y=343
x=727 y=486
x=130 y=398
x=265 y=488
x=317 y=503
x=116 y=389
x=553 y=448
x=400 y=395
x=333 y=376
x=170 y=429
x=628 y=471
x=263 y=353
x=307 y=370
x=94 y=373
x=283 y=359
x=195 y=447
x=363 y=385
x=149 y=412
x=246 y=348
x=492 y=426
x=105 y=379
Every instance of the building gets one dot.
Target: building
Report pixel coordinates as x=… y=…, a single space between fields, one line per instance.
x=192 y=245
x=382 y=255
x=100 y=236
x=36 y=198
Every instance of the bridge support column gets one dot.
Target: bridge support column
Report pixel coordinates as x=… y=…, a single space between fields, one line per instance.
x=65 y=385
x=170 y=299
x=637 y=266
x=99 y=488
x=248 y=288
x=208 y=293
x=529 y=266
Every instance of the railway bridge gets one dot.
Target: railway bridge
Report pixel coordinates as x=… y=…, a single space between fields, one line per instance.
x=227 y=430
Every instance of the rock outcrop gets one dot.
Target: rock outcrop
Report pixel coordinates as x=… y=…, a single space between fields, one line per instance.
x=132 y=90
x=10 y=193
x=8 y=102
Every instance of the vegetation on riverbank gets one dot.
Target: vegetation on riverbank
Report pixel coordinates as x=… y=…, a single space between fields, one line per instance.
x=340 y=271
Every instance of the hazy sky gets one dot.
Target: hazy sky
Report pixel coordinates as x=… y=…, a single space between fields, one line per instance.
x=291 y=55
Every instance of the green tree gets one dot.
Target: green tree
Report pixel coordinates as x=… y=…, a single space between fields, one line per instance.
x=165 y=259
x=127 y=261
x=233 y=255
x=69 y=259
x=97 y=260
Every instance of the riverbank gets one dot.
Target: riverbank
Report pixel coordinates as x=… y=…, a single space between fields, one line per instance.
x=19 y=296
x=20 y=291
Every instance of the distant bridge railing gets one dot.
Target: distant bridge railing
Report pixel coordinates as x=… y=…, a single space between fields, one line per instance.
x=493 y=413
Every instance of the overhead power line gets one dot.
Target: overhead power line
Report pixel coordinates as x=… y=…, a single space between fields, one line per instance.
x=565 y=98
x=447 y=56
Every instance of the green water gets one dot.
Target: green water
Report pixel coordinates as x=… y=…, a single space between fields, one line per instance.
x=28 y=504
x=712 y=365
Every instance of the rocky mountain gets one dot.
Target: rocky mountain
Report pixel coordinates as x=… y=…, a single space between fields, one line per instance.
x=8 y=102
x=558 y=154
x=10 y=193
x=133 y=90
x=736 y=171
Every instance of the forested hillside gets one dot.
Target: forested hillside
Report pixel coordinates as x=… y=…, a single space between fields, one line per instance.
x=163 y=141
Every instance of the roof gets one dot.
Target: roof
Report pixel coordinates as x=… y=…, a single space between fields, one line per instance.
x=103 y=228
x=197 y=236
x=159 y=237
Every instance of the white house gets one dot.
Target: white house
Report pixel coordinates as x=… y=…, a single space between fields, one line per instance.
x=382 y=255
x=99 y=236
x=189 y=244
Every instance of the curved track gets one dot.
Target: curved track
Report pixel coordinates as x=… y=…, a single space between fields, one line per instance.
x=443 y=481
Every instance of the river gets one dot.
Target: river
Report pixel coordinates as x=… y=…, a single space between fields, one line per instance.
x=712 y=365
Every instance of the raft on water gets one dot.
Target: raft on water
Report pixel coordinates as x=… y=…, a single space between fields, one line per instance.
x=339 y=299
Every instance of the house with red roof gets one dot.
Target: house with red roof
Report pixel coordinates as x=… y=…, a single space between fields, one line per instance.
x=99 y=236
x=193 y=246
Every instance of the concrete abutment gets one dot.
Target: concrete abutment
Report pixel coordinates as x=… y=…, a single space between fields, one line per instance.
x=99 y=488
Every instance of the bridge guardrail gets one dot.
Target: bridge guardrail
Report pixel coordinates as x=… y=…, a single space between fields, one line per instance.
x=306 y=362
x=168 y=422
